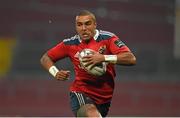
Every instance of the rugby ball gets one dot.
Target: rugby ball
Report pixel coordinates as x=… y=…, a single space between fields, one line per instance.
x=97 y=70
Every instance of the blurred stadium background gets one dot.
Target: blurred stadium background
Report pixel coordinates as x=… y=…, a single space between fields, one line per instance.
x=151 y=28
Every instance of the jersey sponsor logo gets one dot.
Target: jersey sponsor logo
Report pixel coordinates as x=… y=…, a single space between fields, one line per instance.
x=119 y=43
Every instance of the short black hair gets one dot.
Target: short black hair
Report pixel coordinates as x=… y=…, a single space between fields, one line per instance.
x=86 y=12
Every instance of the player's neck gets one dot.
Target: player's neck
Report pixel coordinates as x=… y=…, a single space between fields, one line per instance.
x=87 y=40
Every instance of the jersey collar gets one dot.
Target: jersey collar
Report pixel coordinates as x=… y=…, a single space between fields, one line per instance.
x=96 y=34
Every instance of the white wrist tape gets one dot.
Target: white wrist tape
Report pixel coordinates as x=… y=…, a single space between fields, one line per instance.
x=53 y=70
x=110 y=58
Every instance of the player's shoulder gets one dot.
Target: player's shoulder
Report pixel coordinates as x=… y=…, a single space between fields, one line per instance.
x=105 y=35
x=75 y=40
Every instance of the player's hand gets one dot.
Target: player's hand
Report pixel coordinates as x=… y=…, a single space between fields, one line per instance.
x=94 y=59
x=62 y=75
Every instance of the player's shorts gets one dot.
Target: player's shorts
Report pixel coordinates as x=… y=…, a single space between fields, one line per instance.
x=78 y=99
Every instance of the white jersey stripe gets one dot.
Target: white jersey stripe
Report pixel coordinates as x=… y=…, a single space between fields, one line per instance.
x=106 y=33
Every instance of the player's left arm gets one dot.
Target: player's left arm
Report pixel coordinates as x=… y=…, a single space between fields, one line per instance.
x=123 y=58
x=120 y=54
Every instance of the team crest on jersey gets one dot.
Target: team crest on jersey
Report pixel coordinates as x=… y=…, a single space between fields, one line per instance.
x=119 y=43
x=102 y=49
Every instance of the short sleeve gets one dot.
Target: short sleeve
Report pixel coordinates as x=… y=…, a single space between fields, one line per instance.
x=58 y=52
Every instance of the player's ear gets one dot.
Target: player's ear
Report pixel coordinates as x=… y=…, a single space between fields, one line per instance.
x=95 y=24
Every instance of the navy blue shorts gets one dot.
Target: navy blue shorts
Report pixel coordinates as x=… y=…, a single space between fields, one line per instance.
x=78 y=99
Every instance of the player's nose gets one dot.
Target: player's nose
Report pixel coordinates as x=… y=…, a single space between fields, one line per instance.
x=83 y=27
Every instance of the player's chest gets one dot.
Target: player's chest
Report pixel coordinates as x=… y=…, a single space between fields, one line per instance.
x=101 y=47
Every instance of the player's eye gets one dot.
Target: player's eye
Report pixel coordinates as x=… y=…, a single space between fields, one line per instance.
x=79 y=24
x=88 y=23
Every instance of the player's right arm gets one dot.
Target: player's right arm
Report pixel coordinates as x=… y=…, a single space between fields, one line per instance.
x=48 y=64
x=50 y=57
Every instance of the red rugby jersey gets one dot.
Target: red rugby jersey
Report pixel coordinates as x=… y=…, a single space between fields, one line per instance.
x=100 y=89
